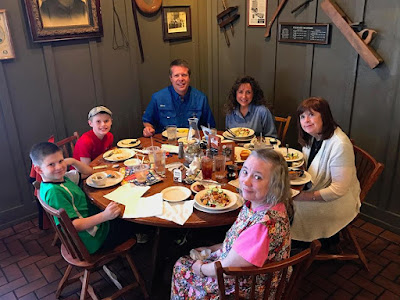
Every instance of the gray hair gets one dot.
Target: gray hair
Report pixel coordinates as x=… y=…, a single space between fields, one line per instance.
x=279 y=184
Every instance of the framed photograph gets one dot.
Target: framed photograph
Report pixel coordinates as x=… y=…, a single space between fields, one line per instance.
x=177 y=23
x=6 y=47
x=257 y=13
x=54 y=20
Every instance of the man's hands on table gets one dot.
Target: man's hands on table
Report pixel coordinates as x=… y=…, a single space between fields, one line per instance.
x=148 y=130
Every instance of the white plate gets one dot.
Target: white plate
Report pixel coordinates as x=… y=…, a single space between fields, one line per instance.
x=237 y=154
x=232 y=197
x=180 y=132
x=176 y=193
x=296 y=164
x=220 y=136
x=239 y=203
x=227 y=135
x=206 y=185
x=132 y=162
x=128 y=143
x=283 y=151
x=109 y=181
x=267 y=141
x=120 y=154
x=302 y=179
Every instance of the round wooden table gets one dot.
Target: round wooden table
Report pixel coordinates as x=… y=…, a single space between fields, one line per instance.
x=198 y=219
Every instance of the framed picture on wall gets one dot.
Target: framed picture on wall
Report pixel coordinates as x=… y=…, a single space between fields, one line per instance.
x=6 y=47
x=257 y=13
x=54 y=20
x=177 y=23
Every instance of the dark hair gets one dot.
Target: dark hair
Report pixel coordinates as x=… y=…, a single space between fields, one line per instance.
x=320 y=105
x=258 y=94
x=179 y=63
x=279 y=184
x=41 y=150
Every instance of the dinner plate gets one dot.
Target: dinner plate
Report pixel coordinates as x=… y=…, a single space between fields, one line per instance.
x=180 y=132
x=267 y=141
x=239 y=203
x=118 y=154
x=205 y=184
x=306 y=177
x=296 y=164
x=176 y=193
x=237 y=154
x=232 y=197
x=220 y=136
x=132 y=162
x=298 y=154
x=128 y=143
x=110 y=181
x=227 y=135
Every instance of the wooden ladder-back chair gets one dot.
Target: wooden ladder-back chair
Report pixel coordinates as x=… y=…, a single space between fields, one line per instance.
x=282 y=127
x=286 y=289
x=67 y=145
x=75 y=254
x=368 y=172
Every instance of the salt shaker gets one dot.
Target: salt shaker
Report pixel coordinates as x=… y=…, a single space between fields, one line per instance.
x=180 y=151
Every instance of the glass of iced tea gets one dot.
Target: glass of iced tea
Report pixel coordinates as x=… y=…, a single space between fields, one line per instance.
x=206 y=167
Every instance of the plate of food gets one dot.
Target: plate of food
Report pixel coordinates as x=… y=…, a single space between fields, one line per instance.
x=296 y=164
x=290 y=154
x=104 y=179
x=176 y=193
x=242 y=134
x=120 y=154
x=269 y=141
x=241 y=154
x=180 y=132
x=215 y=199
x=239 y=203
x=128 y=143
x=304 y=178
x=199 y=186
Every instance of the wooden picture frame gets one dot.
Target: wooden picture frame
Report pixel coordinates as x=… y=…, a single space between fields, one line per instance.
x=257 y=13
x=6 y=46
x=48 y=22
x=176 y=22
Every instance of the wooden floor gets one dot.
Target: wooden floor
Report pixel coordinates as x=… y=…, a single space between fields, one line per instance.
x=30 y=268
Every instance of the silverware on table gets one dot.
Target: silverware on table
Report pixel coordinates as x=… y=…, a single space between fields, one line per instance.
x=231 y=132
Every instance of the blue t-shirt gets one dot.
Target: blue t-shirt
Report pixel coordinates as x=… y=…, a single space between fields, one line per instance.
x=258 y=118
x=168 y=108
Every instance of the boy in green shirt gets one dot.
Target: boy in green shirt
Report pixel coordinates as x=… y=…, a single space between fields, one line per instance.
x=59 y=189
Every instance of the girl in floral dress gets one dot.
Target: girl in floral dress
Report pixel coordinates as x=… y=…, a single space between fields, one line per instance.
x=259 y=235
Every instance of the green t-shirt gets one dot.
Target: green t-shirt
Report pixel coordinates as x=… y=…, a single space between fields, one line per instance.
x=57 y=197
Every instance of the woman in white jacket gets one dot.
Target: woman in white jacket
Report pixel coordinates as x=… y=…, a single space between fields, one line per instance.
x=332 y=199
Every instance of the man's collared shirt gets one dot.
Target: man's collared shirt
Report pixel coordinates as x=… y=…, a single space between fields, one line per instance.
x=167 y=107
x=258 y=118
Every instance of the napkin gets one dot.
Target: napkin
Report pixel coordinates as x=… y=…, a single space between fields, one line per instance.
x=127 y=192
x=177 y=212
x=173 y=165
x=196 y=255
x=294 y=192
x=235 y=183
x=144 y=207
x=170 y=148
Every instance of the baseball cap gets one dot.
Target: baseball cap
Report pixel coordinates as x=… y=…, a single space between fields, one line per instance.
x=98 y=109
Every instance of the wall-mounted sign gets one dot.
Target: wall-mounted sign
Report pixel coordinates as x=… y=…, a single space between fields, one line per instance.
x=257 y=13
x=310 y=33
x=6 y=48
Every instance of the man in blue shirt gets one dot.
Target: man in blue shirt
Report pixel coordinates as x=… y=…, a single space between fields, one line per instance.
x=175 y=104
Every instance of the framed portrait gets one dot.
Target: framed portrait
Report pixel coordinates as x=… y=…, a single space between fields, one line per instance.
x=55 y=20
x=176 y=22
x=257 y=13
x=6 y=47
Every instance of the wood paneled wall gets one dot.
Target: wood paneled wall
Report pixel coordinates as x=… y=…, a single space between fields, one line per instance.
x=49 y=88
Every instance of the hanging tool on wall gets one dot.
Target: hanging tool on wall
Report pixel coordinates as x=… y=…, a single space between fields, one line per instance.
x=355 y=33
x=227 y=17
x=304 y=4
x=148 y=8
x=276 y=13
x=134 y=11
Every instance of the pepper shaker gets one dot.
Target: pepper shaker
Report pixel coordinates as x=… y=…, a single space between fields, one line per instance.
x=180 y=151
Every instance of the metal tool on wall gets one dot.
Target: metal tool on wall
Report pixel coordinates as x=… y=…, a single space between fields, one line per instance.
x=276 y=13
x=227 y=17
x=302 y=5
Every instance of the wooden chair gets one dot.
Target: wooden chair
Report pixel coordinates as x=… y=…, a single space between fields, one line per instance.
x=75 y=254
x=67 y=145
x=286 y=289
x=282 y=127
x=368 y=171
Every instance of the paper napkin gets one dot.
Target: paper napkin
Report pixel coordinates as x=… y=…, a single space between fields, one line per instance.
x=177 y=212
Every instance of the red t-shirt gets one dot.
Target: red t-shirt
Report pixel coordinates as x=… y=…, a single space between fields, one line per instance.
x=89 y=145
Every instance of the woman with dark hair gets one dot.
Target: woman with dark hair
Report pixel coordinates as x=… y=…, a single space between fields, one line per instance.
x=332 y=198
x=247 y=107
x=259 y=235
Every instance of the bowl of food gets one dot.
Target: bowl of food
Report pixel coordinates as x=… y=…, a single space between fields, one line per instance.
x=215 y=198
x=295 y=173
x=100 y=178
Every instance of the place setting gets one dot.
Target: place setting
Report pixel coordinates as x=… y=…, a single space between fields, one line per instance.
x=216 y=200
x=239 y=134
x=104 y=179
x=119 y=154
x=129 y=143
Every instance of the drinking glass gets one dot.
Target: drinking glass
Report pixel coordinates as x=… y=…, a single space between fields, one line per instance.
x=219 y=162
x=171 y=133
x=206 y=167
x=159 y=161
x=151 y=151
x=141 y=172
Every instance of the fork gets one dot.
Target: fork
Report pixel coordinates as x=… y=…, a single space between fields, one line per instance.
x=231 y=132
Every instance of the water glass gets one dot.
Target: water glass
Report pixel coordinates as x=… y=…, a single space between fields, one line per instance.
x=219 y=163
x=159 y=161
x=151 y=151
x=171 y=133
x=141 y=172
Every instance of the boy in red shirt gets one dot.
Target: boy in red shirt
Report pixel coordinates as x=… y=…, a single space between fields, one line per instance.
x=98 y=140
